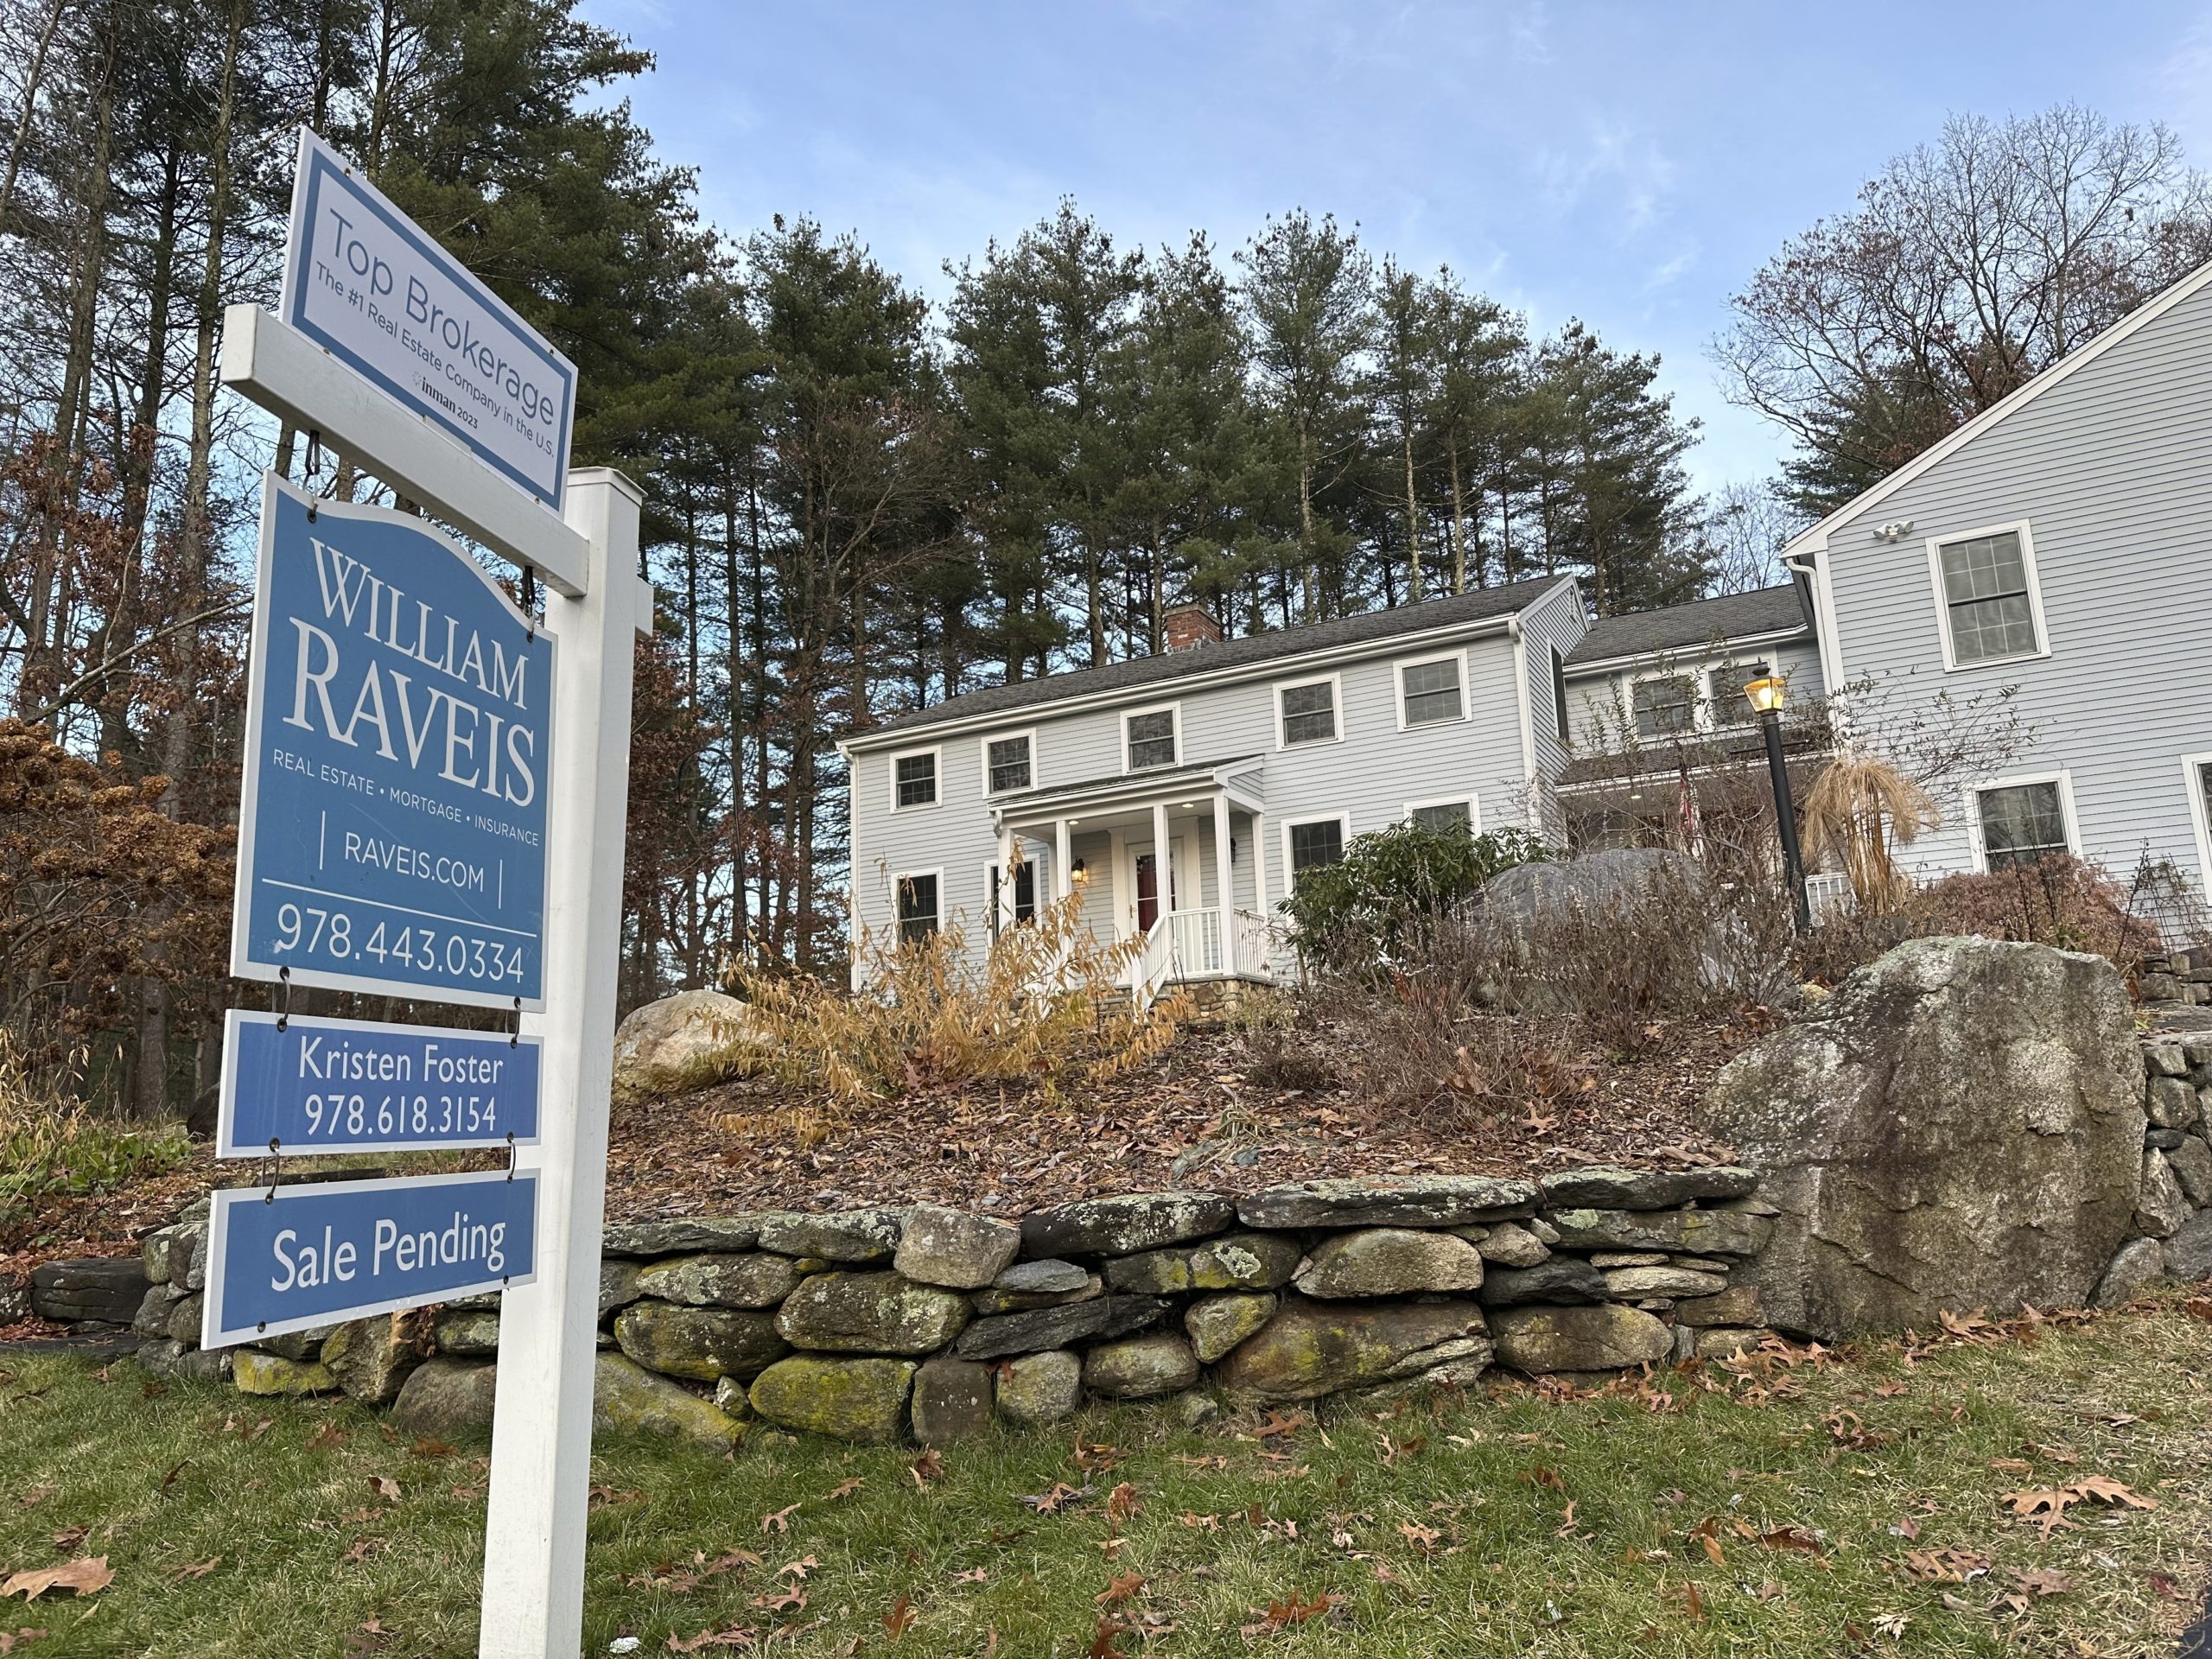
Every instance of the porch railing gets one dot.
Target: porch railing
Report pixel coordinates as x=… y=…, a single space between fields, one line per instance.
x=1197 y=942
x=1155 y=968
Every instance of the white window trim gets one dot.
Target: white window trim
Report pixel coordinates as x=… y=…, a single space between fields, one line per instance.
x=1470 y=800
x=1935 y=546
x=897 y=929
x=2199 y=817
x=936 y=749
x=1700 y=700
x=984 y=767
x=1335 y=681
x=1343 y=819
x=1039 y=899
x=1712 y=698
x=1173 y=709
x=1398 y=688
x=1981 y=786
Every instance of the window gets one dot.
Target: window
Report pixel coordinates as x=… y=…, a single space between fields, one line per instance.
x=913 y=779
x=1432 y=691
x=1444 y=818
x=2196 y=772
x=1150 y=738
x=1008 y=763
x=1317 y=841
x=1560 y=723
x=1987 y=586
x=2022 y=821
x=1024 y=895
x=919 y=915
x=1730 y=705
x=1665 y=704
x=1306 y=713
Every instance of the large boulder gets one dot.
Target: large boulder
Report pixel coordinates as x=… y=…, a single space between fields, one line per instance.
x=952 y=1400
x=1139 y=1368
x=1123 y=1226
x=105 y=1287
x=754 y=1278
x=1958 y=1127
x=372 y=1358
x=682 y=1042
x=1037 y=1390
x=1310 y=1349
x=1217 y=1323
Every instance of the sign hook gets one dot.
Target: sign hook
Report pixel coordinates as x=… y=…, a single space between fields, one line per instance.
x=284 y=994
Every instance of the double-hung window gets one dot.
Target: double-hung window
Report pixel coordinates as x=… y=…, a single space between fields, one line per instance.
x=1665 y=705
x=1021 y=900
x=1009 y=763
x=1730 y=705
x=1987 y=587
x=2022 y=821
x=1314 y=842
x=1308 y=712
x=1446 y=818
x=913 y=779
x=919 y=899
x=1432 y=691
x=1149 y=739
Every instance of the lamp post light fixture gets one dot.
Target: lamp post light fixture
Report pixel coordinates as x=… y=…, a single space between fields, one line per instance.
x=1766 y=695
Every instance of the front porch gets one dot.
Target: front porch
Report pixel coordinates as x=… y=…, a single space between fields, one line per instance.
x=1171 y=857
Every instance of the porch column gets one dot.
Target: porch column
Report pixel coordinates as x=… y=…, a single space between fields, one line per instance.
x=1062 y=879
x=1226 y=881
x=1163 y=867
x=1002 y=901
x=1260 y=865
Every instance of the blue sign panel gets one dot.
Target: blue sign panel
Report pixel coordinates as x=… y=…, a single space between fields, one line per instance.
x=398 y=731
x=340 y=1250
x=304 y=1086
x=369 y=285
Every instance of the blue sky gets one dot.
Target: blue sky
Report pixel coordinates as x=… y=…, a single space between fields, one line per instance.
x=1628 y=164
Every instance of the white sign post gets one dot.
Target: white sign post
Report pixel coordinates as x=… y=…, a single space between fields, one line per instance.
x=548 y=1330
x=466 y=409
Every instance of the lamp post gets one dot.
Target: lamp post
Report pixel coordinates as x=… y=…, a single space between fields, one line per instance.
x=1766 y=694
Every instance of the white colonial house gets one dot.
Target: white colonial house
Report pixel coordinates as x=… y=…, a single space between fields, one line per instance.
x=2057 y=551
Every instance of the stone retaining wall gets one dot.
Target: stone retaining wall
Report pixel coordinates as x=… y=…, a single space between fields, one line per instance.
x=2180 y=977
x=926 y=1322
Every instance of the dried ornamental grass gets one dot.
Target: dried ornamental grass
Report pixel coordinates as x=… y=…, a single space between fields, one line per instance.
x=1044 y=1006
x=1858 y=811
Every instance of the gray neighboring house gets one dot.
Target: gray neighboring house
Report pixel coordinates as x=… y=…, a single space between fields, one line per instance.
x=1179 y=794
x=2059 y=545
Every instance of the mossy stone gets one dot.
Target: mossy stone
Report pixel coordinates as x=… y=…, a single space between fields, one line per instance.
x=860 y=1400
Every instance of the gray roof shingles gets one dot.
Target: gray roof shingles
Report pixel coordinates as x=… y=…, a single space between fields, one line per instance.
x=1766 y=610
x=1139 y=673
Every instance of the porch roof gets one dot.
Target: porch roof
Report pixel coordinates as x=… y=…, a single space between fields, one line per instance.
x=1238 y=775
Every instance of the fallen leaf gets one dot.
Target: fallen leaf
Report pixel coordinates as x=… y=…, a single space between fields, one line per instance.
x=11 y=1640
x=736 y=1635
x=2044 y=1581
x=927 y=1467
x=1120 y=1588
x=1123 y=1503
x=1059 y=1497
x=846 y=1487
x=69 y=1537
x=385 y=1487
x=1424 y=1539
x=1280 y=1615
x=328 y=1435
x=87 y=1576
x=427 y=1446
x=2107 y=1490
x=973 y=1576
x=899 y=1619
x=199 y=1569
x=780 y=1521
x=798 y=1569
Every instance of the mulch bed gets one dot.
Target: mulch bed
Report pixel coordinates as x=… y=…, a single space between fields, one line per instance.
x=1204 y=1116
x=1216 y=1112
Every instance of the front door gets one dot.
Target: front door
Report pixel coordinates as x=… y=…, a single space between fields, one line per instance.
x=1147 y=879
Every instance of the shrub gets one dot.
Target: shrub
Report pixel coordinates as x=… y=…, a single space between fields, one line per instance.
x=1043 y=1006
x=52 y=1143
x=2059 y=900
x=1394 y=887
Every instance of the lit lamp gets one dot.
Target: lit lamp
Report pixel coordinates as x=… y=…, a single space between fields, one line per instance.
x=1080 y=873
x=1766 y=694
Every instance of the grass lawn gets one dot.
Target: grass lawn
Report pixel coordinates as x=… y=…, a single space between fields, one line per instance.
x=1811 y=1509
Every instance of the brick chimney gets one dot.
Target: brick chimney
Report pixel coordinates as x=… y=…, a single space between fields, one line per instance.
x=1191 y=624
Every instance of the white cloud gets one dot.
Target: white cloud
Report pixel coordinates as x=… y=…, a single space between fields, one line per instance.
x=1614 y=157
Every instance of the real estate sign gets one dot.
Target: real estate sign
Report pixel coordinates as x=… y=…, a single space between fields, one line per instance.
x=291 y=1258
x=362 y=281
x=399 y=735
x=297 y=1086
